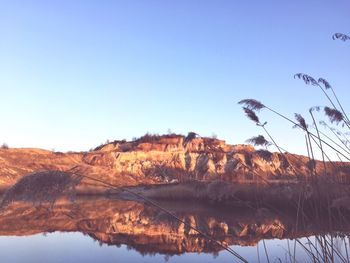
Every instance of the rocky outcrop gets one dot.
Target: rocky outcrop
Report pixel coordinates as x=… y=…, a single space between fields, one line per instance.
x=164 y=159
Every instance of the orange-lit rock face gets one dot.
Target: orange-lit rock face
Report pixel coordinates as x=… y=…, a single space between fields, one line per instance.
x=148 y=229
x=161 y=159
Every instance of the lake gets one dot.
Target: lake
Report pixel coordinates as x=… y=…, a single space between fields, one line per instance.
x=107 y=229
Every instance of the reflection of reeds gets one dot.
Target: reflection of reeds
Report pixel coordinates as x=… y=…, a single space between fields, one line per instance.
x=326 y=248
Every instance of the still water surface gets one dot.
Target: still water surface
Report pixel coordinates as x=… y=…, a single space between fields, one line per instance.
x=114 y=230
x=75 y=247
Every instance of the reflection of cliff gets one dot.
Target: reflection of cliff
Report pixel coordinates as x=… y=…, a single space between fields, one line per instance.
x=147 y=229
x=161 y=159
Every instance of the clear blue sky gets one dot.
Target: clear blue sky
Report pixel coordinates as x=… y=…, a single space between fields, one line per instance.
x=75 y=73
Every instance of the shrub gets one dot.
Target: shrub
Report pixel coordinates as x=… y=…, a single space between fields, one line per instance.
x=4 y=146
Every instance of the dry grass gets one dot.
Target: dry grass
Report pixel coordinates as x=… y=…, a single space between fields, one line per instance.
x=42 y=187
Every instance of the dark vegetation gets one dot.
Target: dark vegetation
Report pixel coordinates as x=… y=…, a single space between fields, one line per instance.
x=41 y=188
x=151 y=138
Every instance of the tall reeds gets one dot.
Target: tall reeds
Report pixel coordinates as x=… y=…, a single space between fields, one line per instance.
x=256 y=106
x=324 y=248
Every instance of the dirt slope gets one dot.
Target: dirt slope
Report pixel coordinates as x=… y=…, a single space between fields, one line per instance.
x=163 y=159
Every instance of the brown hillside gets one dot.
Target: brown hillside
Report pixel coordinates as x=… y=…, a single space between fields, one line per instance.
x=164 y=159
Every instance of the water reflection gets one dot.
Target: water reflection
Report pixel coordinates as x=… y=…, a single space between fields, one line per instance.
x=146 y=229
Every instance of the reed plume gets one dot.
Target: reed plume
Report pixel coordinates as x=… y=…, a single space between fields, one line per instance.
x=252 y=104
x=325 y=83
x=328 y=86
x=341 y=36
x=190 y=136
x=334 y=115
x=251 y=115
x=300 y=119
x=311 y=81
x=306 y=78
x=259 y=141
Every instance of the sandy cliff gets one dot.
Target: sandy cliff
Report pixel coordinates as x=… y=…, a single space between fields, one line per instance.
x=163 y=159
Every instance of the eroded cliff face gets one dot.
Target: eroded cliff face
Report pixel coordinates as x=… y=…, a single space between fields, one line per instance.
x=163 y=159
x=149 y=230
